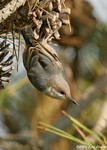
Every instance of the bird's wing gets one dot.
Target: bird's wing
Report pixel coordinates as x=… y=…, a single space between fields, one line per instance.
x=50 y=53
x=28 y=57
x=48 y=49
x=48 y=66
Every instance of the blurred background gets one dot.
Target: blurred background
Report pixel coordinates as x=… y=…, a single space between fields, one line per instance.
x=83 y=53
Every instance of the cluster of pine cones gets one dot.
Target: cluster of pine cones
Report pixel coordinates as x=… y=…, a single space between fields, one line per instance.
x=48 y=17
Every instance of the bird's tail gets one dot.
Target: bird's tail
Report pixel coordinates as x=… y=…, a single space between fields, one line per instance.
x=28 y=35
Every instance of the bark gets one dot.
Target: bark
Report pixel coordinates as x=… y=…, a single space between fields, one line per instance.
x=14 y=15
x=10 y=8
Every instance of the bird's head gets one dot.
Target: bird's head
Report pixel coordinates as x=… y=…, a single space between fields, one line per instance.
x=59 y=89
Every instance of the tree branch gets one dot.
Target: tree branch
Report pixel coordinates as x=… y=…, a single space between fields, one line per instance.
x=10 y=8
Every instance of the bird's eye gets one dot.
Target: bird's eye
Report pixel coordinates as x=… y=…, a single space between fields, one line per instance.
x=62 y=92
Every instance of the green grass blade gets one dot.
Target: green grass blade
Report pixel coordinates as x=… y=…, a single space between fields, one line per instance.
x=83 y=127
x=61 y=133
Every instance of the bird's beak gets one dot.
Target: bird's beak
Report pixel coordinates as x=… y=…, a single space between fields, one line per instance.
x=72 y=100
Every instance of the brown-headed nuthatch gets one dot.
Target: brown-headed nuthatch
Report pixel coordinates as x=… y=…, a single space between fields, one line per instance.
x=43 y=67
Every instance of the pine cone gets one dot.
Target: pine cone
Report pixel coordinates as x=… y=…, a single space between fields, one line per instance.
x=5 y=63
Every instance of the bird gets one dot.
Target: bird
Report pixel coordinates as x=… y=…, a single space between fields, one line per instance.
x=44 y=69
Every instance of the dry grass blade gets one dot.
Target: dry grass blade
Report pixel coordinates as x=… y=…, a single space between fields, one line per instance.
x=81 y=133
